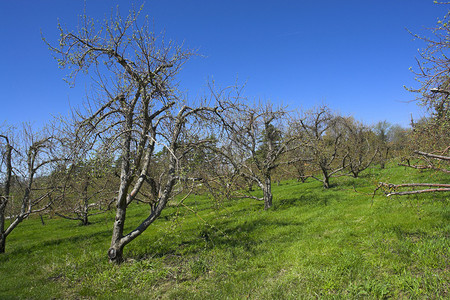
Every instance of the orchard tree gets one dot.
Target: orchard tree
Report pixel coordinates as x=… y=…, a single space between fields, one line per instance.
x=137 y=111
x=89 y=177
x=89 y=189
x=433 y=75
x=431 y=137
x=433 y=70
x=360 y=146
x=6 y=176
x=301 y=160
x=27 y=161
x=391 y=141
x=321 y=134
x=381 y=130
x=254 y=144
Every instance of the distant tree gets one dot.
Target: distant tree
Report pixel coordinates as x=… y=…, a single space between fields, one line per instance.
x=26 y=164
x=360 y=146
x=399 y=139
x=254 y=144
x=89 y=189
x=381 y=130
x=301 y=157
x=89 y=177
x=137 y=111
x=321 y=134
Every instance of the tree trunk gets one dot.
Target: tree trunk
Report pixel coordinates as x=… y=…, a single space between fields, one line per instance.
x=2 y=242
x=326 y=178
x=85 y=211
x=85 y=219
x=5 y=197
x=267 y=192
x=3 y=202
x=5 y=233
x=115 y=252
x=326 y=181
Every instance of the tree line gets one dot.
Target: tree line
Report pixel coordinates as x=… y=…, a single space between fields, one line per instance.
x=138 y=139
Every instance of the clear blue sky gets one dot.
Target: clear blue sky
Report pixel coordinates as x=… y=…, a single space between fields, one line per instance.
x=353 y=55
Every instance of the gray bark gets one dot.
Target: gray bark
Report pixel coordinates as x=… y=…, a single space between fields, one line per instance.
x=267 y=192
x=6 y=193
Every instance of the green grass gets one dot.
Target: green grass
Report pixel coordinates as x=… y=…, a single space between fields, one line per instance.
x=314 y=243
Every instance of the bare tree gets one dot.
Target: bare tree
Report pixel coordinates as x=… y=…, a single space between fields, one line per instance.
x=360 y=146
x=89 y=189
x=433 y=70
x=89 y=176
x=6 y=168
x=301 y=158
x=26 y=164
x=138 y=110
x=321 y=134
x=430 y=137
x=253 y=146
x=381 y=130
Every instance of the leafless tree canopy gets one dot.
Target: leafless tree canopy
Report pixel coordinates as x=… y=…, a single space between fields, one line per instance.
x=431 y=136
x=254 y=145
x=321 y=135
x=26 y=173
x=137 y=111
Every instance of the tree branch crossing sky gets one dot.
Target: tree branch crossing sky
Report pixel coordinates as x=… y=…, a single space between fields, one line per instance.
x=352 y=55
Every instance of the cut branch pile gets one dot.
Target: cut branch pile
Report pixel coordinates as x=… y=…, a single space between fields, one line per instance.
x=430 y=159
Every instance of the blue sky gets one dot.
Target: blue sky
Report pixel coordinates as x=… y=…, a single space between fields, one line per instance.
x=352 y=55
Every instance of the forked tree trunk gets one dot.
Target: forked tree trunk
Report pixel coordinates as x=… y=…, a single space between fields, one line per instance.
x=119 y=241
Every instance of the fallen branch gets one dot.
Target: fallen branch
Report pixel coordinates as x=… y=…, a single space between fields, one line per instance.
x=390 y=189
x=417 y=192
x=425 y=167
x=390 y=185
x=433 y=155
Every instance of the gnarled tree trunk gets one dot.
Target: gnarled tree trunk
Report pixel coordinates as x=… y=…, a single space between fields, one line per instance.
x=6 y=191
x=267 y=192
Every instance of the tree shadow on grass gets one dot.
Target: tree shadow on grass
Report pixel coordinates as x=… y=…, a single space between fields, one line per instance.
x=309 y=199
x=243 y=228
x=227 y=234
x=76 y=240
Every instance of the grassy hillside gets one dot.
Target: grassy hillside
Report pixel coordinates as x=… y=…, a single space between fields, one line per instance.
x=314 y=243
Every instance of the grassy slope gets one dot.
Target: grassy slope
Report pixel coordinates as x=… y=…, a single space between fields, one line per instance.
x=314 y=243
